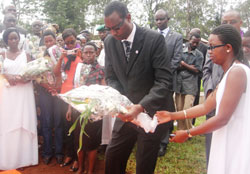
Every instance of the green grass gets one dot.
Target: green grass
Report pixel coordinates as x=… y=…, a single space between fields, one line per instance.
x=184 y=158
x=201 y=87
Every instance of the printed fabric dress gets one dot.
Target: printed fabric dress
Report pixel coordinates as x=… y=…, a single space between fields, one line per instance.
x=230 y=148
x=18 y=124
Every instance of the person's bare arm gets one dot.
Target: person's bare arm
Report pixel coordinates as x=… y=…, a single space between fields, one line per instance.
x=233 y=91
x=189 y=67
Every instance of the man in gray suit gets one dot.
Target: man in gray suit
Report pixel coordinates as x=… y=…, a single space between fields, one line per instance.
x=137 y=66
x=213 y=73
x=174 y=44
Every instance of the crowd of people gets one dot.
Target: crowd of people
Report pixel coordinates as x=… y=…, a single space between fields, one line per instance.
x=159 y=71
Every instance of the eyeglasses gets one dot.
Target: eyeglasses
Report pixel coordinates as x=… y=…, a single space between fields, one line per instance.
x=216 y=46
x=117 y=27
x=70 y=42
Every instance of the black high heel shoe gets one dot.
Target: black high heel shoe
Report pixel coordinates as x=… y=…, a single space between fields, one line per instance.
x=73 y=168
x=66 y=163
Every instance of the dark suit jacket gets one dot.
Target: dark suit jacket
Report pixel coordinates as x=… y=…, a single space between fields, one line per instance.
x=174 y=45
x=146 y=78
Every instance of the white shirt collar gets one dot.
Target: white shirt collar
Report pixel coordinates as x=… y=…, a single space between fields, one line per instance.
x=132 y=35
x=165 y=31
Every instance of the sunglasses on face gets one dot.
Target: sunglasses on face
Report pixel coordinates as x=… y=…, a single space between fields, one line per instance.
x=117 y=27
x=70 y=42
x=215 y=46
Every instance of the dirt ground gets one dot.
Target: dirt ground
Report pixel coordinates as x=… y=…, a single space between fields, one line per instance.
x=53 y=168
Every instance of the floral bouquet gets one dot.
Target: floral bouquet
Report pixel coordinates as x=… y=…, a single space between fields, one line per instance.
x=81 y=74
x=96 y=101
x=101 y=100
x=35 y=68
x=52 y=56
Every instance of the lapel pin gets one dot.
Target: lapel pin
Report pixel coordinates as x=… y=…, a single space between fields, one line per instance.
x=136 y=52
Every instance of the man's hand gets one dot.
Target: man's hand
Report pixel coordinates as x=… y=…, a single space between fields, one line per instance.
x=132 y=113
x=68 y=114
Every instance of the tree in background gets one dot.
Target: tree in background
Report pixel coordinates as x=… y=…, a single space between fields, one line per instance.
x=77 y=14
x=86 y=14
x=27 y=10
x=151 y=6
x=243 y=8
x=66 y=13
x=188 y=14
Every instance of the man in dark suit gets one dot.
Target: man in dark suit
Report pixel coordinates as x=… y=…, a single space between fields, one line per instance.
x=137 y=66
x=174 y=44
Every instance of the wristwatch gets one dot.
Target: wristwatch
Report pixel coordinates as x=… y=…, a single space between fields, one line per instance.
x=189 y=134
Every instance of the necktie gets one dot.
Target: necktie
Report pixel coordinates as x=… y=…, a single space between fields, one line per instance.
x=162 y=33
x=127 y=49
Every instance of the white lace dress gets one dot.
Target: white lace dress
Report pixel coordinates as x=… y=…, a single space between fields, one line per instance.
x=230 y=148
x=18 y=131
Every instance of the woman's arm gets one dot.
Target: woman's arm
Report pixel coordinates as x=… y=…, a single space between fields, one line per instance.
x=196 y=111
x=28 y=57
x=234 y=89
x=103 y=82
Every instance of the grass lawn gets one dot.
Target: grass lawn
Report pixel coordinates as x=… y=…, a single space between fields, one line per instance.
x=185 y=158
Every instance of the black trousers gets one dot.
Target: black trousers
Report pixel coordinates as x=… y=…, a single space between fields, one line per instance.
x=165 y=137
x=122 y=143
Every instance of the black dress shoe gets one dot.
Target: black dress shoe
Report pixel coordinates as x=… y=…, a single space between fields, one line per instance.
x=59 y=160
x=162 y=152
x=73 y=169
x=46 y=160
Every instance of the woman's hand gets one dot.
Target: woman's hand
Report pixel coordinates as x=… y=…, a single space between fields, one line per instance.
x=64 y=53
x=52 y=90
x=163 y=116
x=180 y=136
x=12 y=79
x=22 y=80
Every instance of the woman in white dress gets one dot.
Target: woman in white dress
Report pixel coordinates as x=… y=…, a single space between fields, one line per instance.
x=18 y=132
x=230 y=147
